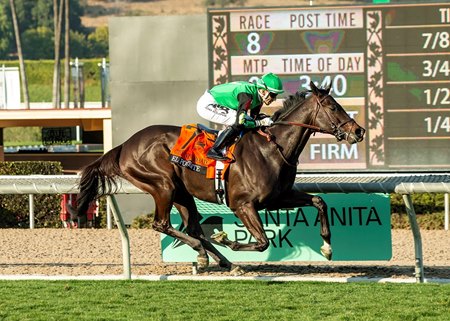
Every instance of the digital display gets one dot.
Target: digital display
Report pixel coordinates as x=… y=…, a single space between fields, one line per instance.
x=388 y=66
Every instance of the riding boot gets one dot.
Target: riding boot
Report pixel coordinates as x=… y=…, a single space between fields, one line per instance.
x=223 y=140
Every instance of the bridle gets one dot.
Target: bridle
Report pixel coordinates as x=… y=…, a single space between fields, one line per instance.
x=336 y=130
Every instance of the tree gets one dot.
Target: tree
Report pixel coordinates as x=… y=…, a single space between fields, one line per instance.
x=6 y=33
x=38 y=43
x=23 y=74
x=57 y=21
x=67 y=56
x=98 y=42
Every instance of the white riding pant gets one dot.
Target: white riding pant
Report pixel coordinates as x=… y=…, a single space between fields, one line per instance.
x=208 y=108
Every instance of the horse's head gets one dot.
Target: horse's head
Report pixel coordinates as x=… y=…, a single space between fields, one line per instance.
x=331 y=118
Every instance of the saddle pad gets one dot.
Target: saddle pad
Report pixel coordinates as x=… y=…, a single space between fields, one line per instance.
x=190 y=151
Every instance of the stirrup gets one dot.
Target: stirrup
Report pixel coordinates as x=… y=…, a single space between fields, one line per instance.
x=212 y=153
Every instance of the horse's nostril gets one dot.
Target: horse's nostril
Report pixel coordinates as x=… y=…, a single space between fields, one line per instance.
x=359 y=132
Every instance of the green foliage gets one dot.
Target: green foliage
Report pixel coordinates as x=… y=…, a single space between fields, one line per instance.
x=143 y=221
x=38 y=43
x=100 y=220
x=99 y=42
x=423 y=203
x=6 y=31
x=40 y=78
x=36 y=26
x=39 y=15
x=78 y=45
x=19 y=136
x=14 y=209
x=434 y=221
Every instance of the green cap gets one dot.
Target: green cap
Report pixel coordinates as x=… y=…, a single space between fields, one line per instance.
x=271 y=82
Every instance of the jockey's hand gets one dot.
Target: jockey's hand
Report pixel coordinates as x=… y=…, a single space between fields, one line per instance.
x=242 y=118
x=265 y=122
x=247 y=121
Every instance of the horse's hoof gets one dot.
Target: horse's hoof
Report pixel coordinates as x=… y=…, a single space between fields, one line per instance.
x=202 y=262
x=225 y=264
x=236 y=270
x=219 y=237
x=326 y=252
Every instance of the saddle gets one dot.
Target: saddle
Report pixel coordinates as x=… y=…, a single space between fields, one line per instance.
x=191 y=147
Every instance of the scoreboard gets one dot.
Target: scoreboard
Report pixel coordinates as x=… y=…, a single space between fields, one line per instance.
x=388 y=66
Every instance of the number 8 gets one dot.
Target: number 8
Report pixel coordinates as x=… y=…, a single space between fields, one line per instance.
x=253 y=46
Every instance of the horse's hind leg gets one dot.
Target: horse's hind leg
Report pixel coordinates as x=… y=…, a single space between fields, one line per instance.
x=163 y=204
x=191 y=219
x=162 y=224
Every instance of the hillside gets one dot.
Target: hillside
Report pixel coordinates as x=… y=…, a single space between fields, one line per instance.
x=99 y=11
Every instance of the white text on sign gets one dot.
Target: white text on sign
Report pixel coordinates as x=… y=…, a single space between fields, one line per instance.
x=295 y=64
x=297 y=20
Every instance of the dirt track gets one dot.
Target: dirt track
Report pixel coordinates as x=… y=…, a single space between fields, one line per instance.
x=98 y=252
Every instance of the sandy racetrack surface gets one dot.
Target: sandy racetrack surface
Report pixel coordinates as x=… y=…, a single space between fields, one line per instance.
x=98 y=252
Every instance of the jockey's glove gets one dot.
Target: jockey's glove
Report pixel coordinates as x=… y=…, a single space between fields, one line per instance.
x=266 y=122
x=247 y=121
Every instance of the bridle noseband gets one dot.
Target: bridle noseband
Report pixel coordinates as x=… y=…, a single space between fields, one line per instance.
x=336 y=129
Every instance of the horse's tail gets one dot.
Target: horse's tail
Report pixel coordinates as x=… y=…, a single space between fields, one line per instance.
x=98 y=179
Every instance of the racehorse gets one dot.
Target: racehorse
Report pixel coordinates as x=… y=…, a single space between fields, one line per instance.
x=261 y=177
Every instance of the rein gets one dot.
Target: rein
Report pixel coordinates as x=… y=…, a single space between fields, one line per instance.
x=313 y=127
x=291 y=123
x=271 y=139
x=337 y=132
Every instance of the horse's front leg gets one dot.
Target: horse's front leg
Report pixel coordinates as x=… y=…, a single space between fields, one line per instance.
x=299 y=199
x=251 y=220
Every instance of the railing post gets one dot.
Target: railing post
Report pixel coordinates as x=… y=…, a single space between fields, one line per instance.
x=108 y=214
x=4 y=102
x=124 y=237
x=446 y=211
x=31 y=210
x=417 y=237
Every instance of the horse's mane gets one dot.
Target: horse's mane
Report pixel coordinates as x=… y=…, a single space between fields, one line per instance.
x=292 y=101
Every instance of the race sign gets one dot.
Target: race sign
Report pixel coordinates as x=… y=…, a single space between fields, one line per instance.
x=360 y=225
x=388 y=66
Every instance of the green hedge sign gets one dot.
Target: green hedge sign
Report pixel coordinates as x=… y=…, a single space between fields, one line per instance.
x=359 y=223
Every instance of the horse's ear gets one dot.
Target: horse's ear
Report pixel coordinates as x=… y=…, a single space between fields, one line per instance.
x=314 y=89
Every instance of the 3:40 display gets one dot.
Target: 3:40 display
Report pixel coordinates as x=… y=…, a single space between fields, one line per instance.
x=338 y=84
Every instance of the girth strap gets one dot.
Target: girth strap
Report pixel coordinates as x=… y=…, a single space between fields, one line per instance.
x=219 y=183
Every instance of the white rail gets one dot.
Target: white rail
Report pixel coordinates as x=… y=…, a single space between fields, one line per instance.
x=68 y=184
x=405 y=184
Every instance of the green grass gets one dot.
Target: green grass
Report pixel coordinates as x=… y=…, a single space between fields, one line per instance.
x=221 y=300
x=43 y=93
x=40 y=79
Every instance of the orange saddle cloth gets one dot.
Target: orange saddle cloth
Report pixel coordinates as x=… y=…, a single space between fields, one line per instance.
x=190 y=151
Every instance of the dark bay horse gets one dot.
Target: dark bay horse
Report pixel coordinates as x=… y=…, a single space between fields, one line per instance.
x=262 y=176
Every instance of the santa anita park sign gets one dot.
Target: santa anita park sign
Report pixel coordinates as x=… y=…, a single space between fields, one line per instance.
x=360 y=226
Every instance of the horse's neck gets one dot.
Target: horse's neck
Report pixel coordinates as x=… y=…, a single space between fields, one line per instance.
x=294 y=138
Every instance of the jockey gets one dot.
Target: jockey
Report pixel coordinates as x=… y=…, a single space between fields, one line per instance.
x=236 y=105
